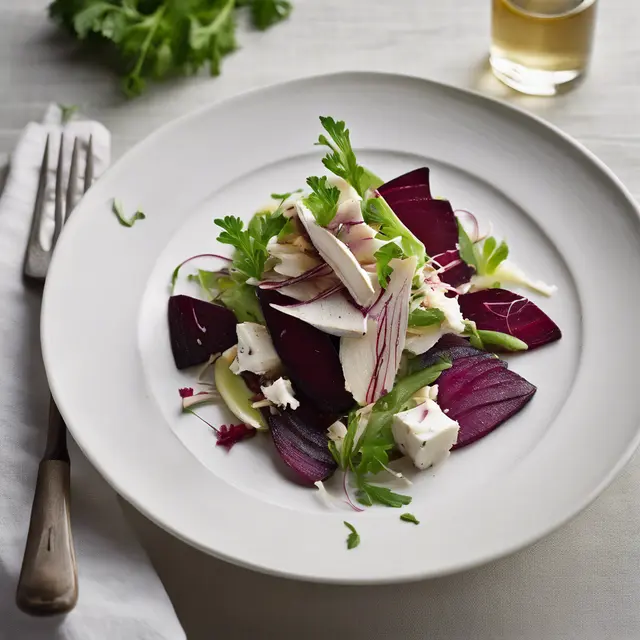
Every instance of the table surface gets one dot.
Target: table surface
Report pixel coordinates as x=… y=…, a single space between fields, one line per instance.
x=581 y=582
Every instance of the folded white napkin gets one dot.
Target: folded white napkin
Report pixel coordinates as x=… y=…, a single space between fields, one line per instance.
x=120 y=595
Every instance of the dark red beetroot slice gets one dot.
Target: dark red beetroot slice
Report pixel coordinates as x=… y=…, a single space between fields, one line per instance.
x=198 y=329
x=301 y=439
x=308 y=353
x=434 y=224
x=457 y=275
x=479 y=391
x=416 y=178
x=508 y=312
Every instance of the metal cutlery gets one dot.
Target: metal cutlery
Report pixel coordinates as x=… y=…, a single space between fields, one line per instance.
x=48 y=582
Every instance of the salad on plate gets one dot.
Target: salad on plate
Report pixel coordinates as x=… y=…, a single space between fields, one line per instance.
x=356 y=323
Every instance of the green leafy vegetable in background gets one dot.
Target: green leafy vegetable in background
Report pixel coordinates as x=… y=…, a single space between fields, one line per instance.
x=155 y=39
x=122 y=219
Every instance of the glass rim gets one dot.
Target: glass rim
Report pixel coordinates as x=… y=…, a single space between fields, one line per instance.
x=583 y=6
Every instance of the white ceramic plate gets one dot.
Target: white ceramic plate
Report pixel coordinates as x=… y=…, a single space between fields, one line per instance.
x=568 y=221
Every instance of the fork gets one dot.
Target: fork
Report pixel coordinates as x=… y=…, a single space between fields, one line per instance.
x=48 y=582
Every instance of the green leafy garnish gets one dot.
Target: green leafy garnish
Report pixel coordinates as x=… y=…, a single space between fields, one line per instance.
x=156 y=39
x=376 y=211
x=238 y=297
x=122 y=219
x=284 y=196
x=369 y=494
x=383 y=256
x=483 y=339
x=323 y=200
x=250 y=244
x=409 y=517
x=422 y=317
x=342 y=160
x=353 y=540
x=484 y=257
x=377 y=434
x=365 y=448
x=467 y=249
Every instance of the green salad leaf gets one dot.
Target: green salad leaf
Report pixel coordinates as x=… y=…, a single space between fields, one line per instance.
x=238 y=297
x=484 y=256
x=422 y=317
x=378 y=213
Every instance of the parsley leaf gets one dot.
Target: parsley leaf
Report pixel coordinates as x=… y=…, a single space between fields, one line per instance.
x=122 y=219
x=266 y=13
x=369 y=494
x=250 y=244
x=155 y=39
x=421 y=317
x=353 y=540
x=409 y=517
x=383 y=256
x=342 y=160
x=323 y=200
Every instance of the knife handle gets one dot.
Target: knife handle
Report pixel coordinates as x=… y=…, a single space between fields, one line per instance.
x=48 y=581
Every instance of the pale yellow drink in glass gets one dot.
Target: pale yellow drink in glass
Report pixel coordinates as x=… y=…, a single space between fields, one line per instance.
x=539 y=45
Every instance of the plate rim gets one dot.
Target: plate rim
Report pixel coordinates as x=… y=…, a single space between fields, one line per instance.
x=477 y=96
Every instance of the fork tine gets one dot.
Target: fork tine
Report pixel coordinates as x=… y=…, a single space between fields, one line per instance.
x=88 y=172
x=59 y=213
x=36 y=258
x=72 y=185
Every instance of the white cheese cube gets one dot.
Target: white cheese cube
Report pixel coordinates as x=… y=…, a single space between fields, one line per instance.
x=256 y=352
x=425 y=433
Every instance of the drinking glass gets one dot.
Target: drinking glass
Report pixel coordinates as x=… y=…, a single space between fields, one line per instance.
x=537 y=46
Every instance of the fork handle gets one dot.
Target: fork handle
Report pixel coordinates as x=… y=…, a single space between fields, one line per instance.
x=48 y=581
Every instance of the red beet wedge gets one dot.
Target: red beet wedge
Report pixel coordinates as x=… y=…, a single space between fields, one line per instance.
x=508 y=312
x=198 y=329
x=479 y=391
x=431 y=221
x=301 y=439
x=309 y=354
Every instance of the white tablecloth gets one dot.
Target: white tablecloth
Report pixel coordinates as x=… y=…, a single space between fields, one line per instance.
x=582 y=582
